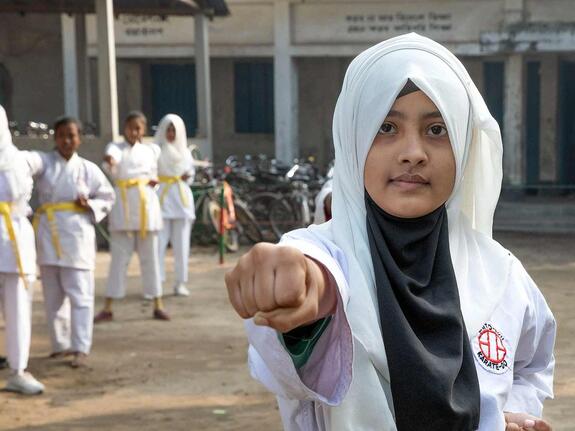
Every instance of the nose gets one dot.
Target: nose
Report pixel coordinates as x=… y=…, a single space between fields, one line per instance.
x=412 y=151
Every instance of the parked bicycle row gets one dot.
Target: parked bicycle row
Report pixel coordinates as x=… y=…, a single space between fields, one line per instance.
x=266 y=198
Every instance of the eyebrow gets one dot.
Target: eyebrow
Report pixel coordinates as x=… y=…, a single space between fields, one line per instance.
x=426 y=116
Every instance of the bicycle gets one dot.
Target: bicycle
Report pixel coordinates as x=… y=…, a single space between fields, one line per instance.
x=207 y=229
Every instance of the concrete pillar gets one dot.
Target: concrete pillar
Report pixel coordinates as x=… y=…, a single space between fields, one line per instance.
x=285 y=86
x=70 y=60
x=203 y=85
x=513 y=157
x=84 y=87
x=129 y=87
x=548 y=125
x=513 y=145
x=107 y=80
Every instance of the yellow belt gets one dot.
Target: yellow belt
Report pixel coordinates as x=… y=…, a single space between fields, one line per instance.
x=141 y=183
x=6 y=213
x=168 y=181
x=49 y=209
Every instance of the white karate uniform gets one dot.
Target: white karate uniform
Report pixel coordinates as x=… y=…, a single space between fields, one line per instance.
x=340 y=370
x=345 y=383
x=15 y=298
x=134 y=162
x=178 y=222
x=176 y=198
x=70 y=275
x=177 y=232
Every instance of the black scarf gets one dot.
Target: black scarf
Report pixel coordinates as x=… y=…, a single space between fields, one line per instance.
x=433 y=378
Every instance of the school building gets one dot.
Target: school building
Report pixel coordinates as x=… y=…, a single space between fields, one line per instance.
x=277 y=68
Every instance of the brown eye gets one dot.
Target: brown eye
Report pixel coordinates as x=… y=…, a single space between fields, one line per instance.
x=386 y=128
x=437 y=130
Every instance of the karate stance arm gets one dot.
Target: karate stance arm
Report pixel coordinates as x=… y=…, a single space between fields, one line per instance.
x=293 y=274
x=109 y=165
x=281 y=288
x=35 y=162
x=100 y=197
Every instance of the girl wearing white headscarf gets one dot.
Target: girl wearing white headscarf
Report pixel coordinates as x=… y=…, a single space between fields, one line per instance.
x=176 y=172
x=17 y=261
x=434 y=324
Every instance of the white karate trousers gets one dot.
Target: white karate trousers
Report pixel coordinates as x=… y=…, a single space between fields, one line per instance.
x=16 y=303
x=70 y=323
x=122 y=246
x=176 y=232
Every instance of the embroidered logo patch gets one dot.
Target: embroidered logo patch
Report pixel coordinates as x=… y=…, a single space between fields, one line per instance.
x=491 y=349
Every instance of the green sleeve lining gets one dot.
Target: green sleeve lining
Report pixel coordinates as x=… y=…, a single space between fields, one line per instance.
x=300 y=341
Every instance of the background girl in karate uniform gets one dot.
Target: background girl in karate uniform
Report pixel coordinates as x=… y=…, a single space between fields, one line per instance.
x=17 y=261
x=136 y=218
x=176 y=172
x=402 y=312
x=73 y=194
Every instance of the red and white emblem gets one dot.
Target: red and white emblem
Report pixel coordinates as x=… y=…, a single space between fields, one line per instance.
x=491 y=349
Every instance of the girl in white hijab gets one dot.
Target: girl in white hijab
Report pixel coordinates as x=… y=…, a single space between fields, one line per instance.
x=402 y=312
x=17 y=261
x=176 y=172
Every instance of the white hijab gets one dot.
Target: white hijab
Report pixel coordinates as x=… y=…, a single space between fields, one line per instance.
x=371 y=85
x=7 y=148
x=12 y=163
x=175 y=158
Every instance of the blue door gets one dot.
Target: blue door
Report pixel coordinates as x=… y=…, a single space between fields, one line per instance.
x=566 y=147
x=493 y=89
x=254 y=96
x=3 y=86
x=174 y=91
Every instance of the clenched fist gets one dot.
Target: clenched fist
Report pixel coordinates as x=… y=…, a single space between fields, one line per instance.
x=280 y=287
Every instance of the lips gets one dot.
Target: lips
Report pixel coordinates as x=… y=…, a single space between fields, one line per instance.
x=409 y=181
x=411 y=178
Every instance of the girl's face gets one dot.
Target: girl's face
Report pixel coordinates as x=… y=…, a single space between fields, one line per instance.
x=67 y=137
x=134 y=130
x=410 y=168
x=171 y=133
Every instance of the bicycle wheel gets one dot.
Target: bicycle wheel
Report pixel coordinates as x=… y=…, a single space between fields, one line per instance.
x=203 y=232
x=247 y=224
x=232 y=240
x=282 y=218
x=260 y=205
x=301 y=208
x=231 y=236
x=212 y=209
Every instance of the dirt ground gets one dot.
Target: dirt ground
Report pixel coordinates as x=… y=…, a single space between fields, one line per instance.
x=191 y=373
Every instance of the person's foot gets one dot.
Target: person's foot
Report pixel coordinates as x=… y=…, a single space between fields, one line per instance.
x=104 y=316
x=147 y=297
x=80 y=360
x=160 y=314
x=180 y=289
x=3 y=362
x=24 y=383
x=61 y=354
